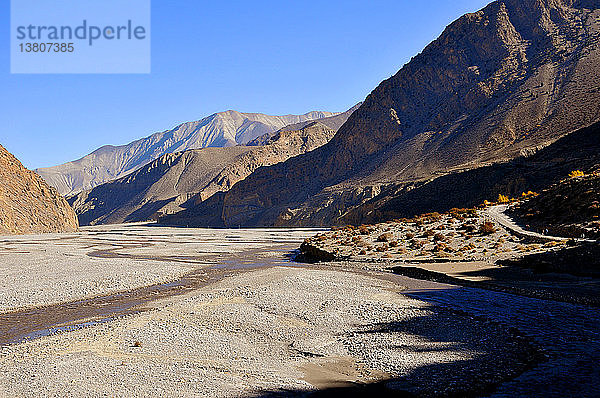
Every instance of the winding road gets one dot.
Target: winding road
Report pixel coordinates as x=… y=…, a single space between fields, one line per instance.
x=498 y=215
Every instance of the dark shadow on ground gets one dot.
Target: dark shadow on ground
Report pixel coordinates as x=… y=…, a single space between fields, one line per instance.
x=521 y=281
x=581 y=260
x=497 y=354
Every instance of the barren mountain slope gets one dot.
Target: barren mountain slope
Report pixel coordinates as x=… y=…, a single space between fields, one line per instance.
x=27 y=204
x=497 y=83
x=218 y=130
x=176 y=181
x=579 y=150
x=332 y=122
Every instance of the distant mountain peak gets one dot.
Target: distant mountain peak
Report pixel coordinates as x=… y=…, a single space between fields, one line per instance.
x=223 y=129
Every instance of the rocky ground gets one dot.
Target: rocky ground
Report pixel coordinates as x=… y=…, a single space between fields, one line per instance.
x=470 y=247
x=466 y=235
x=269 y=331
x=271 y=327
x=38 y=270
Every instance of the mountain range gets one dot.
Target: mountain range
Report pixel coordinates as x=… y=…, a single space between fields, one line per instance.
x=497 y=84
x=176 y=181
x=222 y=129
x=497 y=87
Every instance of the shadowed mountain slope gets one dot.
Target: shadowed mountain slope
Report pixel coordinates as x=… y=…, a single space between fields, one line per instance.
x=177 y=181
x=578 y=150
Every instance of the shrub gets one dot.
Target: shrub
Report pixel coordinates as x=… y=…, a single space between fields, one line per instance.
x=394 y=243
x=487 y=228
x=576 y=173
x=440 y=247
x=386 y=237
x=417 y=244
x=503 y=199
x=363 y=229
x=382 y=248
x=439 y=238
x=410 y=235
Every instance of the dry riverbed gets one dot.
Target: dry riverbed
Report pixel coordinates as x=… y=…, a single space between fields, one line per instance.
x=38 y=270
x=267 y=327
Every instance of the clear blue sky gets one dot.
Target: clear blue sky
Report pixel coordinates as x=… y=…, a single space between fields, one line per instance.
x=274 y=57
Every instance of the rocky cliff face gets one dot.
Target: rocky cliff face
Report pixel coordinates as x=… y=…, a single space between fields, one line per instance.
x=27 y=204
x=497 y=83
x=175 y=182
x=222 y=129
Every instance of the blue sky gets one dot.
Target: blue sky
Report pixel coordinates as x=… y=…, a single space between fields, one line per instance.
x=272 y=57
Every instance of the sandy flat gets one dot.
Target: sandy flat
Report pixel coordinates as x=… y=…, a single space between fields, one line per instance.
x=39 y=270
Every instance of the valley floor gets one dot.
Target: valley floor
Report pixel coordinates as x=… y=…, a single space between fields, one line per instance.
x=252 y=323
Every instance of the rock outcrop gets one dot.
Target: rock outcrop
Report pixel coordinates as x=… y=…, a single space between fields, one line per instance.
x=497 y=84
x=222 y=129
x=27 y=204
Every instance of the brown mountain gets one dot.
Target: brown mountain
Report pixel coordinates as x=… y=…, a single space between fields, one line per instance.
x=332 y=122
x=223 y=129
x=27 y=204
x=177 y=181
x=498 y=83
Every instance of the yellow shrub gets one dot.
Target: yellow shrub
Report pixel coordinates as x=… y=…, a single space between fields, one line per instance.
x=503 y=199
x=576 y=173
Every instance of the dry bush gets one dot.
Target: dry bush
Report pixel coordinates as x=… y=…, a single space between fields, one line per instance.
x=487 y=228
x=439 y=237
x=362 y=252
x=576 y=174
x=470 y=229
x=417 y=244
x=363 y=229
x=386 y=237
x=440 y=247
x=410 y=235
x=383 y=248
x=429 y=233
